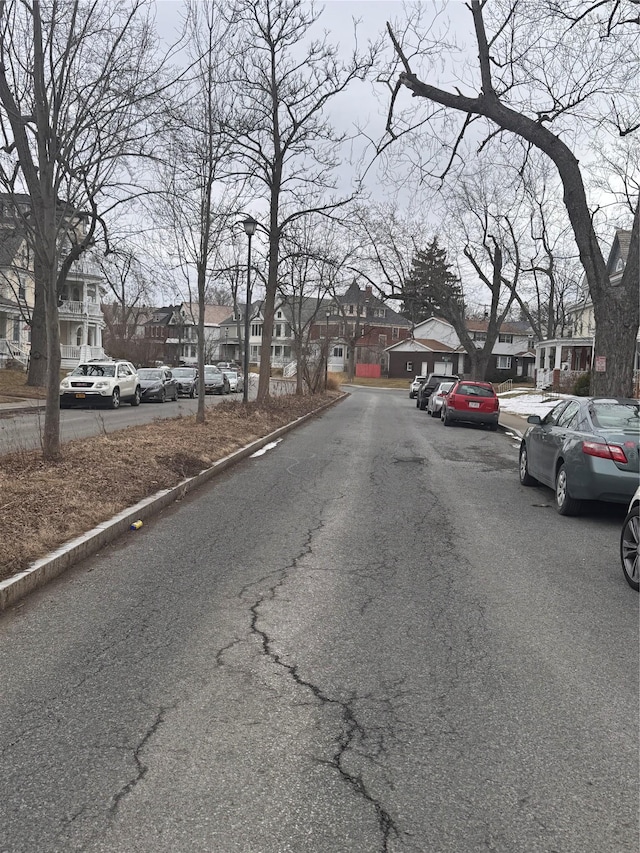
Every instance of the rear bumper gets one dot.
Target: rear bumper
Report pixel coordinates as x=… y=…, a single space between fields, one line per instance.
x=472 y=417
x=601 y=480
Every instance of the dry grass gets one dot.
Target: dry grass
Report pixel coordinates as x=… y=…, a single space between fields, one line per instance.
x=13 y=387
x=43 y=504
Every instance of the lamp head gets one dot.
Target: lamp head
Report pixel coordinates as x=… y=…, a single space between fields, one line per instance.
x=250 y=225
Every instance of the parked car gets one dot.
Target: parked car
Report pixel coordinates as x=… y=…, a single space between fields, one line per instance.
x=228 y=365
x=630 y=543
x=471 y=402
x=436 y=398
x=101 y=382
x=157 y=383
x=585 y=448
x=215 y=382
x=235 y=378
x=187 y=380
x=426 y=388
x=415 y=384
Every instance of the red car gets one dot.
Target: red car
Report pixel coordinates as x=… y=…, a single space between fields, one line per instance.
x=473 y=402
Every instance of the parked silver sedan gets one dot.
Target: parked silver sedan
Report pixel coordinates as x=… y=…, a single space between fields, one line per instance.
x=436 y=399
x=236 y=379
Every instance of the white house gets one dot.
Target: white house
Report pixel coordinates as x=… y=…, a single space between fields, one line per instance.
x=81 y=318
x=559 y=361
x=435 y=348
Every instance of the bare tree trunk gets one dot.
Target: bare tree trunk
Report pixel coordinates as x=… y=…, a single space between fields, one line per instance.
x=37 y=374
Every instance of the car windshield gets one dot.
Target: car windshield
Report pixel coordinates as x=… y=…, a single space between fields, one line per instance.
x=94 y=370
x=149 y=373
x=613 y=415
x=211 y=371
x=183 y=372
x=475 y=391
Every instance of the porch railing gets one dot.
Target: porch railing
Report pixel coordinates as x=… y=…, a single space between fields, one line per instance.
x=78 y=309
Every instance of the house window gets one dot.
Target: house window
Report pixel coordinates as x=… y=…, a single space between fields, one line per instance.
x=395 y=333
x=505 y=339
x=279 y=330
x=380 y=312
x=350 y=311
x=382 y=340
x=279 y=314
x=409 y=367
x=16 y=331
x=337 y=352
x=256 y=330
x=479 y=336
x=79 y=336
x=503 y=362
x=22 y=291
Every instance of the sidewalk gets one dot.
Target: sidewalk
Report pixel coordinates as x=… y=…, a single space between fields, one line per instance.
x=18 y=405
x=513 y=423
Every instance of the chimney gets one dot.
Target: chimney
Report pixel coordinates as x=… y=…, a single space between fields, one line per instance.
x=368 y=291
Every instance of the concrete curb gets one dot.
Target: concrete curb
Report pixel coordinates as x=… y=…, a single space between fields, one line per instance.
x=42 y=571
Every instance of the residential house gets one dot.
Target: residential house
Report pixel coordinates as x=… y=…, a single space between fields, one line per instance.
x=173 y=329
x=361 y=326
x=80 y=314
x=435 y=348
x=560 y=361
x=282 y=342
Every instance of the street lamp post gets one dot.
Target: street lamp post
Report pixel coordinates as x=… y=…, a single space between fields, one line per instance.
x=326 y=361
x=250 y=226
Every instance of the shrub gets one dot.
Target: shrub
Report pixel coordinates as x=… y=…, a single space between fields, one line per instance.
x=582 y=385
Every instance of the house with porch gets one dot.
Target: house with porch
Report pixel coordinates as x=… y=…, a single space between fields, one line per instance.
x=560 y=361
x=80 y=313
x=435 y=348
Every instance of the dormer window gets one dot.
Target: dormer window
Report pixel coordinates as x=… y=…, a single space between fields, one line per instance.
x=279 y=314
x=620 y=265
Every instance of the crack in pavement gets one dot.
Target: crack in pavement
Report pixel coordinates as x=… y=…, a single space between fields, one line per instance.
x=141 y=768
x=352 y=731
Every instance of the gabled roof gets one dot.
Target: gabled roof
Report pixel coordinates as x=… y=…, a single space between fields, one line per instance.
x=512 y=328
x=213 y=314
x=421 y=345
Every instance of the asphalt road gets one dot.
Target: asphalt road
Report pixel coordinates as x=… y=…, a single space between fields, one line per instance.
x=370 y=638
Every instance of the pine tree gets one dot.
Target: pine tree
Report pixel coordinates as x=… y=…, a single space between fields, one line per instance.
x=431 y=288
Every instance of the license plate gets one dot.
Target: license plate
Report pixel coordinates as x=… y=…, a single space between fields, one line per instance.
x=80 y=396
x=474 y=405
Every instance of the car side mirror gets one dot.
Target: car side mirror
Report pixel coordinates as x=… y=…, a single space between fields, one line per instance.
x=534 y=419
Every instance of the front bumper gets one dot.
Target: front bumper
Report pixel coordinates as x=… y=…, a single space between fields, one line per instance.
x=87 y=395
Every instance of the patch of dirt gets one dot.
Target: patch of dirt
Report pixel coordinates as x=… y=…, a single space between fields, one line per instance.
x=45 y=504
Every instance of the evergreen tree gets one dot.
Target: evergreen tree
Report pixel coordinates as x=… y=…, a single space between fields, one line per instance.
x=431 y=288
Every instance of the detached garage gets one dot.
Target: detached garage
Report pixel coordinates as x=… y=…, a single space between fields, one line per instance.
x=421 y=356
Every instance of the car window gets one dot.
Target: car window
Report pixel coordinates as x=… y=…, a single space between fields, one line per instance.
x=611 y=414
x=569 y=415
x=123 y=370
x=474 y=390
x=551 y=418
x=149 y=373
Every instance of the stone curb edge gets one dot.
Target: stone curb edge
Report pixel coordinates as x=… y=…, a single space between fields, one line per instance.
x=47 y=568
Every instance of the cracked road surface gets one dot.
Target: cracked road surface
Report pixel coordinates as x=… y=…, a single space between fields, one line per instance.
x=370 y=639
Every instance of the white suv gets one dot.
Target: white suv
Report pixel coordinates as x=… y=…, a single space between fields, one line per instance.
x=110 y=382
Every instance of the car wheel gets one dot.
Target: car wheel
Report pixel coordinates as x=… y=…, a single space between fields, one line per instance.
x=523 y=468
x=493 y=427
x=434 y=414
x=629 y=543
x=417 y=402
x=446 y=418
x=175 y=396
x=115 y=399
x=192 y=393
x=137 y=397
x=163 y=396
x=565 y=504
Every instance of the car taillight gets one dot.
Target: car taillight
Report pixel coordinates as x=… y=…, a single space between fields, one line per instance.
x=604 y=451
x=451 y=401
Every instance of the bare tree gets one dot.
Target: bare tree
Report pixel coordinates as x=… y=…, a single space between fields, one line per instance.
x=197 y=206
x=285 y=76
x=527 y=83
x=77 y=85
